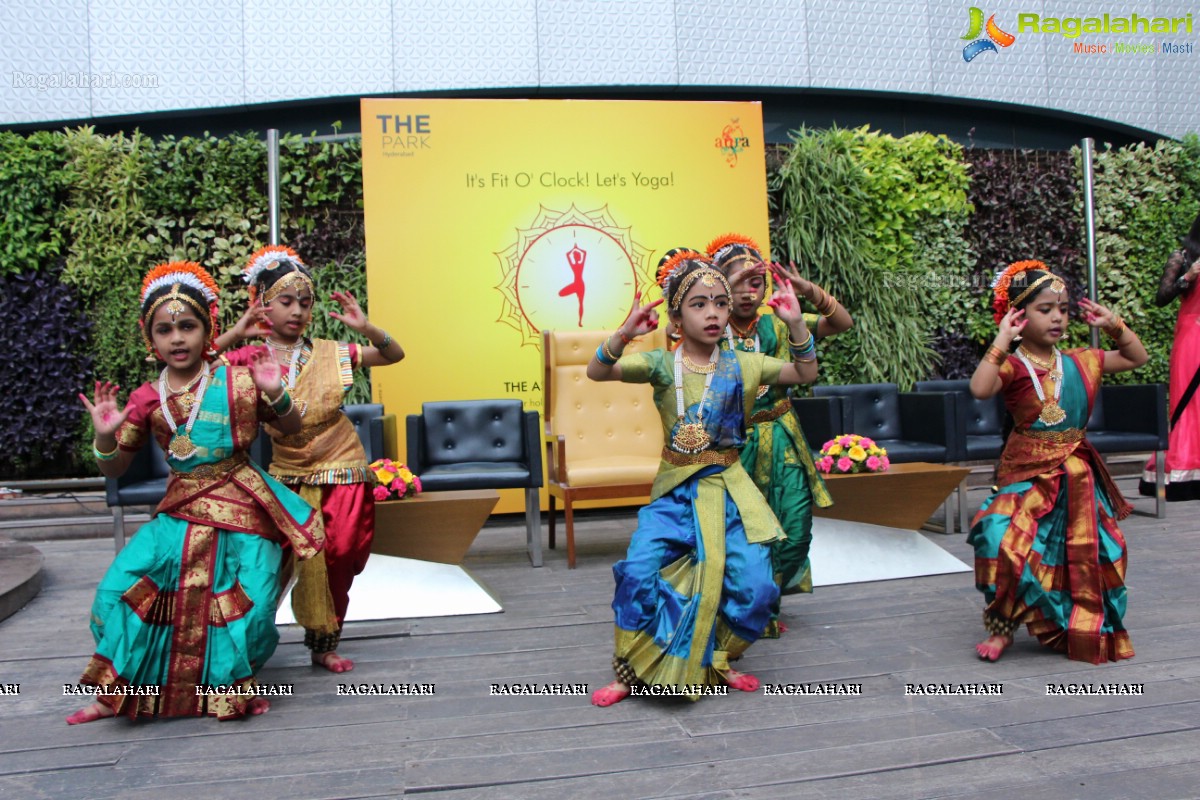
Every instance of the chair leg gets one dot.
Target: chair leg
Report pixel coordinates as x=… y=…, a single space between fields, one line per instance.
x=550 y=524
x=118 y=527
x=533 y=526
x=569 y=524
x=1160 y=484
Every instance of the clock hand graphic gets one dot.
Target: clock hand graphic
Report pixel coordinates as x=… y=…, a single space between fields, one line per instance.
x=576 y=258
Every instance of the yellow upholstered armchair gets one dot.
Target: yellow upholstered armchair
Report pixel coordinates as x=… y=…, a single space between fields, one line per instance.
x=603 y=440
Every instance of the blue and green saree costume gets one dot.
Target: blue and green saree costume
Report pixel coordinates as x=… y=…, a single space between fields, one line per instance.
x=778 y=457
x=1048 y=552
x=189 y=604
x=696 y=587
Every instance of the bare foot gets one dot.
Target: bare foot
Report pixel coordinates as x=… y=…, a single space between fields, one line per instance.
x=612 y=694
x=90 y=714
x=332 y=662
x=781 y=627
x=741 y=681
x=259 y=705
x=991 y=648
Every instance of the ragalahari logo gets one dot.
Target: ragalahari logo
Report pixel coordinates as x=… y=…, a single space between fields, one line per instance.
x=995 y=36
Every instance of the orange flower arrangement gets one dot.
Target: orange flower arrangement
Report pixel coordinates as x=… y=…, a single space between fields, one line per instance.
x=1004 y=279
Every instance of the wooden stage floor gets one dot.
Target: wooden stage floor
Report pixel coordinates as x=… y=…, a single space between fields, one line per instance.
x=462 y=742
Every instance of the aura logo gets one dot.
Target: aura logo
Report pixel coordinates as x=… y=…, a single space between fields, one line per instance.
x=995 y=36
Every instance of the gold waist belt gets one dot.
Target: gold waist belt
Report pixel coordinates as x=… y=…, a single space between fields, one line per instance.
x=1069 y=436
x=722 y=457
x=780 y=408
x=306 y=435
x=215 y=470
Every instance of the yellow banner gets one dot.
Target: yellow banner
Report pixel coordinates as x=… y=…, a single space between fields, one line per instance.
x=488 y=221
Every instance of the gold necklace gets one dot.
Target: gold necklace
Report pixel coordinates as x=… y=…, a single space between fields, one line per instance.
x=185 y=397
x=703 y=369
x=1044 y=363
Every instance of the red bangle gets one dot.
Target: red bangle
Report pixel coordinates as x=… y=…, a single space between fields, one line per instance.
x=622 y=335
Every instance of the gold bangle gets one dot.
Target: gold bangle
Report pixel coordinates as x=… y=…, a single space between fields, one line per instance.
x=832 y=307
x=1116 y=330
x=800 y=345
x=608 y=350
x=994 y=355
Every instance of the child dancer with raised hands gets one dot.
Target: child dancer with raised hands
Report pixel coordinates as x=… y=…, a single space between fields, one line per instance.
x=695 y=589
x=324 y=461
x=185 y=616
x=1048 y=551
x=776 y=453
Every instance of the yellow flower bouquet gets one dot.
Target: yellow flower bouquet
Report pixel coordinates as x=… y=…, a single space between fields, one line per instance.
x=393 y=481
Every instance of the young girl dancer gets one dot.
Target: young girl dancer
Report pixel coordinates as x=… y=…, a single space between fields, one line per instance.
x=696 y=589
x=325 y=461
x=776 y=453
x=189 y=603
x=1048 y=552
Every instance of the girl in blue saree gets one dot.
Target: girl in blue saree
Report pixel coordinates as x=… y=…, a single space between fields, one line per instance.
x=185 y=615
x=696 y=587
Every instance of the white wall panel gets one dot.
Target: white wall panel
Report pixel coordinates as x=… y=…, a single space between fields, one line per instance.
x=42 y=46
x=464 y=44
x=719 y=48
x=154 y=55
x=1013 y=74
x=192 y=50
x=607 y=42
x=858 y=44
x=317 y=48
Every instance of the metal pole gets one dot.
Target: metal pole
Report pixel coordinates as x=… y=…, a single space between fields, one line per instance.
x=273 y=182
x=1089 y=221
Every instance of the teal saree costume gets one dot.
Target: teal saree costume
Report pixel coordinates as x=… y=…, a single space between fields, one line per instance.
x=696 y=588
x=1048 y=551
x=778 y=457
x=187 y=608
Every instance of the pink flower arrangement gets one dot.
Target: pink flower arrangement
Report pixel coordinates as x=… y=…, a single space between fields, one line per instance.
x=393 y=481
x=850 y=453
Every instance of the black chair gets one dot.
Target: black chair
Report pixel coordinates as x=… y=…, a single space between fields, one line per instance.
x=979 y=426
x=1133 y=419
x=822 y=418
x=912 y=426
x=145 y=482
x=480 y=444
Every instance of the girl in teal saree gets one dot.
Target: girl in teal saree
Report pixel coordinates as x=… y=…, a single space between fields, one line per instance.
x=185 y=615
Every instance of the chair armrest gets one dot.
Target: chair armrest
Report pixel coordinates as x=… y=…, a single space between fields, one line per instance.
x=533 y=447
x=931 y=417
x=821 y=418
x=416 y=443
x=110 y=491
x=1137 y=408
x=383 y=438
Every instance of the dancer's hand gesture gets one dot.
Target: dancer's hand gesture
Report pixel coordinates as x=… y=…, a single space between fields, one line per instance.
x=268 y=375
x=743 y=275
x=1011 y=325
x=784 y=301
x=351 y=315
x=642 y=319
x=253 y=324
x=1096 y=315
x=802 y=286
x=107 y=414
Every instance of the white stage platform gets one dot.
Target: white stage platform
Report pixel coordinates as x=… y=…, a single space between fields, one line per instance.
x=403 y=588
x=854 y=552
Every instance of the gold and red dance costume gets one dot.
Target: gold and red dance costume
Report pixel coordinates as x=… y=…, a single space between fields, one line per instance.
x=1179 y=279
x=190 y=601
x=1048 y=551
x=326 y=464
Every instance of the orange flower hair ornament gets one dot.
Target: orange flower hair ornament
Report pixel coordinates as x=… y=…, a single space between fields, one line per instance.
x=1002 y=300
x=176 y=274
x=270 y=257
x=720 y=246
